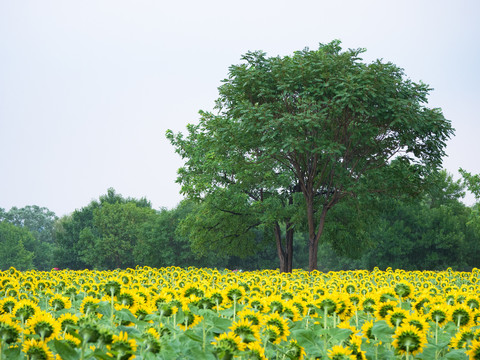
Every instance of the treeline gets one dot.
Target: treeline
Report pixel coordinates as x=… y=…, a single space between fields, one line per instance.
x=432 y=231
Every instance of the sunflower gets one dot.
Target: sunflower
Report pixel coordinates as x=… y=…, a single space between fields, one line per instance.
x=255 y=351
x=327 y=305
x=254 y=316
x=89 y=305
x=472 y=302
x=463 y=338
x=356 y=347
x=190 y=320
x=216 y=296
x=234 y=293
x=112 y=288
x=59 y=302
x=403 y=290
x=71 y=340
x=460 y=315
x=279 y=322
x=438 y=314
x=409 y=340
x=123 y=347
x=418 y=321
x=67 y=322
x=227 y=344
x=7 y=304
x=245 y=329
x=9 y=330
x=368 y=303
x=12 y=292
x=291 y=312
x=128 y=298
x=257 y=303
x=340 y=353
x=88 y=330
x=383 y=308
x=152 y=341
x=474 y=352
x=275 y=304
x=396 y=317
x=271 y=334
x=295 y=351
x=143 y=310
x=421 y=301
x=37 y=350
x=44 y=325
x=192 y=289
x=24 y=309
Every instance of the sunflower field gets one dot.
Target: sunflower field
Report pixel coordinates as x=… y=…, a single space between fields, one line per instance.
x=174 y=313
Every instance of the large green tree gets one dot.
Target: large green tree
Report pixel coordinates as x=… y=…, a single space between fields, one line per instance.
x=321 y=124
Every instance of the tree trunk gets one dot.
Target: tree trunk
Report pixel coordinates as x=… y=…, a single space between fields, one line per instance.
x=289 y=241
x=314 y=236
x=281 y=252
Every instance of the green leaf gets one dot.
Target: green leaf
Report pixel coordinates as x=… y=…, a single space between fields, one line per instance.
x=220 y=325
x=310 y=341
x=13 y=354
x=125 y=315
x=457 y=354
x=339 y=335
x=382 y=331
x=191 y=335
x=65 y=351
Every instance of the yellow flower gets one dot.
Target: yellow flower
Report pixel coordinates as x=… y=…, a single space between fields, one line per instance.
x=383 y=308
x=123 y=347
x=438 y=314
x=67 y=321
x=89 y=305
x=418 y=321
x=245 y=329
x=474 y=352
x=229 y=342
x=396 y=317
x=356 y=347
x=271 y=333
x=7 y=304
x=279 y=322
x=37 y=350
x=44 y=325
x=408 y=339
x=463 y=338
x=59 y=302
x=9 y=330
x=24 y=309
x=255 y=351
x=460 y=315
x=340 y=353
x=295 y=351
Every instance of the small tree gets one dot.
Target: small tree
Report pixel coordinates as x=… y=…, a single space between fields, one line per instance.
x=12 y=250
x=307 y=131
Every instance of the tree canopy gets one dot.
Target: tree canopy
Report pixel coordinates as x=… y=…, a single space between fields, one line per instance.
x=294 y=136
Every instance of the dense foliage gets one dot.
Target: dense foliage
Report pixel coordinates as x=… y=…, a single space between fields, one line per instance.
x=432 y=232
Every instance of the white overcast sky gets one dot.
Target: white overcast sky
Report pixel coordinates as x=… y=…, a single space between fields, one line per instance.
x=89 y=87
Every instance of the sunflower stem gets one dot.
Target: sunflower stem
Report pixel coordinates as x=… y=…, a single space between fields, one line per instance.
x=234 y=306
x=112 y=292
x=324 y=317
